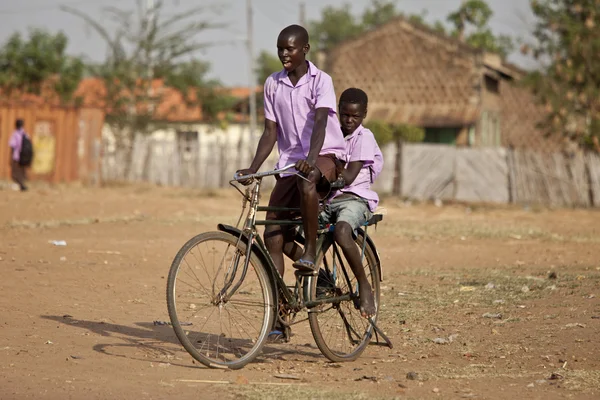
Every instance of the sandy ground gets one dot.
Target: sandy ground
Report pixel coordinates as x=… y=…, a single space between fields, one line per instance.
x=76 y=321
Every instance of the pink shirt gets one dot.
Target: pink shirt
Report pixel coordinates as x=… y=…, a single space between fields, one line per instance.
x=15 y=142
x=362 y=146
x=293 y=109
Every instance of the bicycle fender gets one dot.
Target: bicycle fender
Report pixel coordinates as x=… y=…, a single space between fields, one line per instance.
x=371 y=244
x=258 y=252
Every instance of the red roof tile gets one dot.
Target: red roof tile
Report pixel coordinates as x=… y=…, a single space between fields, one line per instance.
x=172 y=107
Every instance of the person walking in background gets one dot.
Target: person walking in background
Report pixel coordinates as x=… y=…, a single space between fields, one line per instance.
x=21 y=154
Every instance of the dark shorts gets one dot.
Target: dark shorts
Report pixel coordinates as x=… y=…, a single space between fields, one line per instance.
x=287 y=194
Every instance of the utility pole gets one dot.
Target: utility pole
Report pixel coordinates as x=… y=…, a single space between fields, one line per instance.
x=150 y=16
x=251 y=72
x=302 y=13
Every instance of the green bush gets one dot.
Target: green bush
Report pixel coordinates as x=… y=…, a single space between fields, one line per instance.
x=382 y=131
x=409 y=133
x=385 y=133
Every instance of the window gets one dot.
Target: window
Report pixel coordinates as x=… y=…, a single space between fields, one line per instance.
x=441 y=135
x=492 y=85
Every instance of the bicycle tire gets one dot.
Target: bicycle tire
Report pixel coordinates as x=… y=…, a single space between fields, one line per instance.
x=313 y=317
x=255 y=345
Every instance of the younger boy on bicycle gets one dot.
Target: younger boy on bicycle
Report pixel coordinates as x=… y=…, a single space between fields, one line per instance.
x=353 y=205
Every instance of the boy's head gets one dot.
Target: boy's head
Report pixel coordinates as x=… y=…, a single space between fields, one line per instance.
x=292 y=46
x=352 y=109
x=19 y=123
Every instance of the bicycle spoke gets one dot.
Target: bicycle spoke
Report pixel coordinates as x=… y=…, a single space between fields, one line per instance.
x=226 y=331
x=340 y=332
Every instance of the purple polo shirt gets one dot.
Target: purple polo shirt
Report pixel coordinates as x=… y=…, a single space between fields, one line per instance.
x=15 y=142
x=293 y=109
x=362 y=146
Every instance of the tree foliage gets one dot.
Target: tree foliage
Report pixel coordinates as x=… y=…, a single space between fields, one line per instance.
x=335 y=25
x=338 y=24
x=39 y=62
x=266 y=64
x=385 y=133
x=382 y=131
x=567 y=34
x=146 y=46
x=475 y=15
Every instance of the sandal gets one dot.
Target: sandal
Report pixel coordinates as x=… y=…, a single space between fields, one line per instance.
x=276 y=336
x=304 y=266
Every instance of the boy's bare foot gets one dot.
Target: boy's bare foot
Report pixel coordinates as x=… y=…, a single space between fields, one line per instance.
x=367 y=301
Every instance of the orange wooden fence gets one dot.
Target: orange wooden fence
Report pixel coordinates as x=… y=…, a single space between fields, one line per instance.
x=66 y=141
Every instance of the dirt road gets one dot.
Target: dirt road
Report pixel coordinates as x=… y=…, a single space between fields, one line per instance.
x=514 y=294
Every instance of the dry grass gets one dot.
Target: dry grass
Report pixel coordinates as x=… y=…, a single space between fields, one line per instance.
x=296 y=393
x=465 y=230
x=489 y=289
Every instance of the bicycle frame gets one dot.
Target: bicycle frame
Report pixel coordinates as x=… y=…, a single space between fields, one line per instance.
x=295 y=300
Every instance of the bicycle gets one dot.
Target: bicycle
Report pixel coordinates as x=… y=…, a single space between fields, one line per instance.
x=230 y=291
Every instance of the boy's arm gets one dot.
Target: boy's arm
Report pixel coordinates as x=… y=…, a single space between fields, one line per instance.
x=12 y=145
x=318 y=135
x=325 y=103
x=265 y=145
x=351 y=171
x=269 y=136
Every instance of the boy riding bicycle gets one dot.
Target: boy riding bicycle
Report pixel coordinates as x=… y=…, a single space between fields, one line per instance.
x=300 y=115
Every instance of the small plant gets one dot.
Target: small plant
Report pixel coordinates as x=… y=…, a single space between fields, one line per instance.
x=385 y=132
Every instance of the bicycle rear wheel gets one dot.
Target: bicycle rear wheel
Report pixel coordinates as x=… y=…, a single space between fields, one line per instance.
x=339 y=330
x=217 y=330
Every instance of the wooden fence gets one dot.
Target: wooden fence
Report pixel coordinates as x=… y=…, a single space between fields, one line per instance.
x=424 y=171
x=202 y=160
x=500 y=175
x=66 y=141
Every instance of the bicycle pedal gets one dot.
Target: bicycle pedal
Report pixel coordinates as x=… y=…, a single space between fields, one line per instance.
x=302 y=273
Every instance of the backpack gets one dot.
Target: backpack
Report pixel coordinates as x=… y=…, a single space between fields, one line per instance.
x=26 y=155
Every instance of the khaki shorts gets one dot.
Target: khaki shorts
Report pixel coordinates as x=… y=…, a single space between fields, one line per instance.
x=349 y=208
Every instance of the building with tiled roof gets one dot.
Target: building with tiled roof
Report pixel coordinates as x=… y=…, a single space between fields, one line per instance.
x=460 y=95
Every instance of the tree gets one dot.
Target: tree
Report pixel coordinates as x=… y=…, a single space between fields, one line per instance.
x=38 y=63
x=335 y=26
x=398 y=134
x=266 y=65
x=380 y=12
x=146 y=47
x=567 y=34
x=339 y=24
x=476 y=14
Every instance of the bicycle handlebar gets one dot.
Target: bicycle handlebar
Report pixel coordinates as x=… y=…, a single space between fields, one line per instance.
x=237 y=177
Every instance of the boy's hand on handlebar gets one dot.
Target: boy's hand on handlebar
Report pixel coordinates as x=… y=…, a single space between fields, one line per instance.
x=304 y=167
x=242 y=172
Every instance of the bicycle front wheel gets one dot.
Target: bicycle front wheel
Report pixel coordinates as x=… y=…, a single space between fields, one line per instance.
x=221 y=314
x=339 y=330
